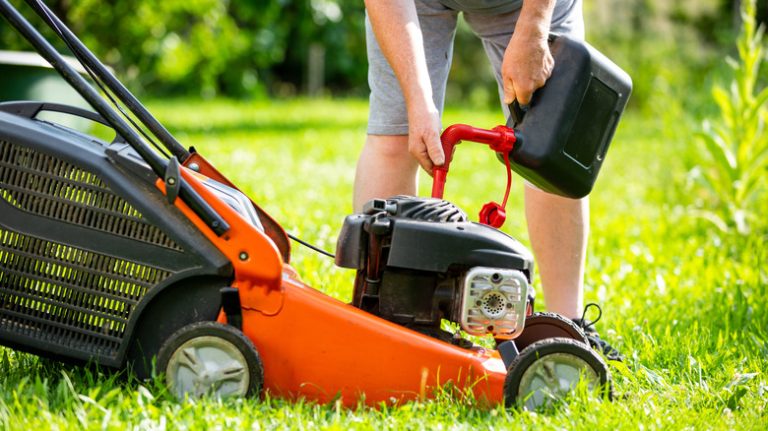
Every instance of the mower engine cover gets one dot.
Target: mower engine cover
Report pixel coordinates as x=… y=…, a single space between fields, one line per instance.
x=420 y=261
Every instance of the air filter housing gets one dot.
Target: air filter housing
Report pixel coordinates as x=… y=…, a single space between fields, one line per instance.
x=494 y=301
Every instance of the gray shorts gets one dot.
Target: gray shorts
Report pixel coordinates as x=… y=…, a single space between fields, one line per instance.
x=388 y=115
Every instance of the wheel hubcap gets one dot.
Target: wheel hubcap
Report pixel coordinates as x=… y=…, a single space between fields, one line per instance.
x=551 y=377
x=208 y=366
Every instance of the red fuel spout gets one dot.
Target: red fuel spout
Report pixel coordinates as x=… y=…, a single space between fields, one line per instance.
x=500 y=139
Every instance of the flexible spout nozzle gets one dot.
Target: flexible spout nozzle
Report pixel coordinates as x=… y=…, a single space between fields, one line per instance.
x=500 y=139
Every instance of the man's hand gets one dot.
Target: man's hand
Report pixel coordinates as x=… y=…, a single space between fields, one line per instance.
x=526 y=67
x=424 y=136
x=397 y=30
x=528 y=62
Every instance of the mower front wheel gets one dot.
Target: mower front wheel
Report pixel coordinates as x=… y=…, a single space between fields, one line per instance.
x=210 y=359
x=548 y=370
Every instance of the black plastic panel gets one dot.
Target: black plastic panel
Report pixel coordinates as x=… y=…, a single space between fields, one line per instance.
x=352 y=242
x=68 y=297
x=596 y=115
x=43 y=185
x=429 y=235
x=437 y=247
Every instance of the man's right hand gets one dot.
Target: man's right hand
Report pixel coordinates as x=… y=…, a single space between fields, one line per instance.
x=397 y=30
x=424 y=136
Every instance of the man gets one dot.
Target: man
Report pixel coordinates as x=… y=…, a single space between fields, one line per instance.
x=410 y=45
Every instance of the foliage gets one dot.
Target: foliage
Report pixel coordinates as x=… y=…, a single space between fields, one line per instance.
x=689 y=310
x=209 y=47
x=255 y=48
x=663 y=46
x=732 y=176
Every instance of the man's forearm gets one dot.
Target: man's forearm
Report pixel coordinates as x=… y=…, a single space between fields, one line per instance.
x=535 y=18
x=398 y=33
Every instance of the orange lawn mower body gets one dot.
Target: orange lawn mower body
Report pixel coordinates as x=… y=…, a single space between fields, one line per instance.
x=315 y=346
x=153 y=260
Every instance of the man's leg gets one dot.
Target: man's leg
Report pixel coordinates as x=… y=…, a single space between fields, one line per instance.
x=385 y=168
x=558 y=228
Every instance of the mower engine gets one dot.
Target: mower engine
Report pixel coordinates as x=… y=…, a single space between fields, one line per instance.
x=420 y=261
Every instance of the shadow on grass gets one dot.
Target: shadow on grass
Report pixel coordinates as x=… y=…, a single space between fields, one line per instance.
x=59 y=383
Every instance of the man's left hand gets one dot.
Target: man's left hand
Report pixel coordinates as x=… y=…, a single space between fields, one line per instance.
x=526 y=67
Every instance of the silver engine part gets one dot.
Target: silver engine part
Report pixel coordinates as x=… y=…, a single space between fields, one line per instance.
x=494 y=301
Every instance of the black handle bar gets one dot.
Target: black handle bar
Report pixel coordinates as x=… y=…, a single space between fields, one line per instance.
x=154 y=160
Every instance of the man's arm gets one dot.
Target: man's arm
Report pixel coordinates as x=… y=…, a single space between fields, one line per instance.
x=398 y=33
x=527 y=61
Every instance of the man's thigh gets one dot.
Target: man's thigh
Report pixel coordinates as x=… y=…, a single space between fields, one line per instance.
x=495 y=31
x=388 y=114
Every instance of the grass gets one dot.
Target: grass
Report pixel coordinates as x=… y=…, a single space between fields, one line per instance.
x=687 y=305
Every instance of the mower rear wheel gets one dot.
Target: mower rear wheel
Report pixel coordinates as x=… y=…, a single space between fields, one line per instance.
x=550 y=369
x=210 y=359
x=540 y=326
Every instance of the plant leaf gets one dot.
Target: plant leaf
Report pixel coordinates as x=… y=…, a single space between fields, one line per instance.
x=722 y=156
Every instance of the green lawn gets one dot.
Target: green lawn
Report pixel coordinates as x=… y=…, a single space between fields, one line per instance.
x=687 y=306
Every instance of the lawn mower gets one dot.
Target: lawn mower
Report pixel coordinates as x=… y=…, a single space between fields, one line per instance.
x=126 y=255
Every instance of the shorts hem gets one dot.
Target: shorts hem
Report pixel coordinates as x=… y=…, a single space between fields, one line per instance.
x=381 y=129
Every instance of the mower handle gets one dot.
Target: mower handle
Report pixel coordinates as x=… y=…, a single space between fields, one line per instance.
x=500 y=139
x=30 y=109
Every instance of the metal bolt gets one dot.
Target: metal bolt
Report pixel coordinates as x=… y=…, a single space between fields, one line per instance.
x=195 y=167
x=171 y=181
x=243 y=255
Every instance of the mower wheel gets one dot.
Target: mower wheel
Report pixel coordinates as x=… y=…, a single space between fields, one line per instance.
x=540 y=326
x=549 y=369
x=209 y=358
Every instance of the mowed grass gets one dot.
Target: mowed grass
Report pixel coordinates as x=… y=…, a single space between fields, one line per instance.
x=686 y=305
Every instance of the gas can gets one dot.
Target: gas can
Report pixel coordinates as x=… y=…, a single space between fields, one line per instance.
x=567 y=127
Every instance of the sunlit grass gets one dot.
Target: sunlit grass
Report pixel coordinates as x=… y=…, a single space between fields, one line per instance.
x=688 y=308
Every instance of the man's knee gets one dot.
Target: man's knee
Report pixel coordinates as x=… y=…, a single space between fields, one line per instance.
x=390 y=148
